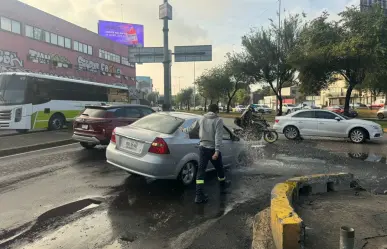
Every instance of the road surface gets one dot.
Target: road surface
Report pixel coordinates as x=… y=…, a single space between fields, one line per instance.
x=68 y=197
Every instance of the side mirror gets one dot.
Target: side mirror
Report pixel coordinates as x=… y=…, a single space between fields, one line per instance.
x=337 y=119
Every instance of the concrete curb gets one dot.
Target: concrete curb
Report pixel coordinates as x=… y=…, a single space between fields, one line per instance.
x=287 y=227
x=262 y=238
x=17 y=150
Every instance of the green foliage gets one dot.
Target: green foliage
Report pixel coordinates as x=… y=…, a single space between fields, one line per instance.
x=267 y=52
x=354 y=48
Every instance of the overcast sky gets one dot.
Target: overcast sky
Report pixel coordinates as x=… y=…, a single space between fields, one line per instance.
x=195 y=22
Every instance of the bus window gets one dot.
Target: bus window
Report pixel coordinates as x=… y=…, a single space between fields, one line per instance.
x=12 y=89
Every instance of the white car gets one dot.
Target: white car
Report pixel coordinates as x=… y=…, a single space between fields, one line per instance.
x=262 y=108
x=240 y=108
x=324 y=123
x=287 y=108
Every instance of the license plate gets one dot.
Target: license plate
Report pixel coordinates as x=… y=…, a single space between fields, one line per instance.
x=85 y=127
x=131 y=145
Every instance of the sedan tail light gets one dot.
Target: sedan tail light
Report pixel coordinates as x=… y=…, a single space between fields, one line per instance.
x=159 y=146
x=113 y=138
x=277 y=121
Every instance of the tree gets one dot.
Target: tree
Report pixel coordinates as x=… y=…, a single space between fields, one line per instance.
x=153 y=97
x=211 y=84
x=242 y=96
x=236 y=77
x=353 y=48
x=267 y=52
x=184 y=97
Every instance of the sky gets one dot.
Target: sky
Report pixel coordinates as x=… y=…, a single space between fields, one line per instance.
x=220 y=23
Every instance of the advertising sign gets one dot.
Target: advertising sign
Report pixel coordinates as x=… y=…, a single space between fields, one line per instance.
x=128 y=34
x=147 y=55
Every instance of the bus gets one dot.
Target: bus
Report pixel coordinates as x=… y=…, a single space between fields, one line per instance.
x=30 y=101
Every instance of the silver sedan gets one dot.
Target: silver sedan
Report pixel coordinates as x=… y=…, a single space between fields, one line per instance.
x=156 y=147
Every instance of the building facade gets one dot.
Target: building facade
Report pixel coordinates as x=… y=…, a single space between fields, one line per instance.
x=366 y=4
x=144 y=84
x=34 y=41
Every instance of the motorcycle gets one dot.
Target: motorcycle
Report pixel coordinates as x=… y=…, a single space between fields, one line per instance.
x=254 y=129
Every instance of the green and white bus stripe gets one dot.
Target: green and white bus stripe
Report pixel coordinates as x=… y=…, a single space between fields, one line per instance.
x=39 y=120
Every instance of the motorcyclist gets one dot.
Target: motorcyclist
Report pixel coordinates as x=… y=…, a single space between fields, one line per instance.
x=249 y=115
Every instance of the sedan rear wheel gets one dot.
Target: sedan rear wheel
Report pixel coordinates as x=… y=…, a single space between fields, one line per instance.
x=291 y=132
x=357 y=136
x=380 y=116
x=188 y=173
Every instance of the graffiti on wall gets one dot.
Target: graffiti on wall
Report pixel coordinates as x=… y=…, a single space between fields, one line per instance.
x=49 y=59
x=96 y=67
x=10 y=59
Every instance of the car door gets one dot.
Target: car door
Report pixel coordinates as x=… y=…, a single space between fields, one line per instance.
x=227 y=149
x=130 y=115
x=328 y=126
x=306 y=123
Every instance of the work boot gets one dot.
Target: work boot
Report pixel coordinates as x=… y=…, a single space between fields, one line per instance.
x=201 y=198
x=224 y=185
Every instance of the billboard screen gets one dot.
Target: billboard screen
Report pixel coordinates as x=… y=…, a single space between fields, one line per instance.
x=128 y=34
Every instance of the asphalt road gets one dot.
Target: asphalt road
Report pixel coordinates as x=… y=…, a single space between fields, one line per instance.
x=68 y=197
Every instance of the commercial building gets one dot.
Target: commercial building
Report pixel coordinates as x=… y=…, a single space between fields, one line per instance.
x=335 y=95
x=366 y=4
x=34 y=41
x=144 y=84
x=290 y=95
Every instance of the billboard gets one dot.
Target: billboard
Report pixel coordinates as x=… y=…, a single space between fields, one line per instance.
x=128 y=34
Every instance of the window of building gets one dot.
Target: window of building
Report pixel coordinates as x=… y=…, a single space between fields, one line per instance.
x=6 y=24
x=29 y=31
x=61 y=41
x=83 y=48
x=75 y=47
x=47 y=37
x=109 y=56
x=16 y=27
x=10 y=25
x=38 y=34
x=54 y=39
x=67 y=43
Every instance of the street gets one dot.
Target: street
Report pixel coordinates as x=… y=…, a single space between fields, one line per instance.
x=69 y=197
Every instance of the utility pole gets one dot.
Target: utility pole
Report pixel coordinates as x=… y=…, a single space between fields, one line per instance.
x=179 y=77
x=194 y=89
x=278 y=53
x=167 y=62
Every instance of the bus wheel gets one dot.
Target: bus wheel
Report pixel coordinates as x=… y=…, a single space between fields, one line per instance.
x=22 y=131
x=56 y=122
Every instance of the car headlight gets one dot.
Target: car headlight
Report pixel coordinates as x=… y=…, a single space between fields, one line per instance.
x=376 y=127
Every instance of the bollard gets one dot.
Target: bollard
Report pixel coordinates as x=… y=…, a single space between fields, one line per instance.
x=347 y=238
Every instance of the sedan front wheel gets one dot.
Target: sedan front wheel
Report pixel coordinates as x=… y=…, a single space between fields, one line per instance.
x=357 y=136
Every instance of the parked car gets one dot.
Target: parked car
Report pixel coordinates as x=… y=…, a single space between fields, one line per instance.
x=359 y=106
x=382 y=113
x=339 y=109
x=156 y=147
x=287 y=108
x=157 y=109
x=262 y=108
x=240 y=108
x=301 y=106
x=96 y=123
x=323 y=123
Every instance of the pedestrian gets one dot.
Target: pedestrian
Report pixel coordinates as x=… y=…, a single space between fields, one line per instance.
x=210 y=129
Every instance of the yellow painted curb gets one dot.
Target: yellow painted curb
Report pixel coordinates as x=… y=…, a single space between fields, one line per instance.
x=286 y=226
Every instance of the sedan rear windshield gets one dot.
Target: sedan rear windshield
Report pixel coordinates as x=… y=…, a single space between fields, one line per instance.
x=162 y=123
x=94 y=112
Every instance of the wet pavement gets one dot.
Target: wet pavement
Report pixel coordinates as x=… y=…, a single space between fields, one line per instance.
x=68 y=197
x=324 y=214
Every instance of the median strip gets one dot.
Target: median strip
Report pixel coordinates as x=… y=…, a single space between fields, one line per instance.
x=33 y=147
x=287 y=227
